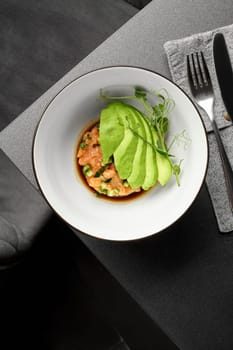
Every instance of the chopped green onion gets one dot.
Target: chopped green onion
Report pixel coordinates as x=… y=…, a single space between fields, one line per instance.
x=87 y=170
x=100 y=171
x=114 y=192
x=104 y=191
x=83 y=145
x=103 y=188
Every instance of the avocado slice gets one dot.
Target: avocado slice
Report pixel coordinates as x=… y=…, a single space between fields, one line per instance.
x=137 y=176
x=125 y=152
x=111 y=130
x=164 y=169
x=151 y=174
x=135 y=157
x=163 y=164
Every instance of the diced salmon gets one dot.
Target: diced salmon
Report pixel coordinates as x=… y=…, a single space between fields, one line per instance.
x=104 y=179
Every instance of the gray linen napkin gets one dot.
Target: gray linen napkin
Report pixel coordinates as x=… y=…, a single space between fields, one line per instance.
x=176 y=51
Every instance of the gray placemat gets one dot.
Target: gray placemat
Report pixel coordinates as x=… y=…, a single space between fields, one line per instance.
x=176 y=51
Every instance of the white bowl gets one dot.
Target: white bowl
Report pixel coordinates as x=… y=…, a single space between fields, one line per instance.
x=56 y=140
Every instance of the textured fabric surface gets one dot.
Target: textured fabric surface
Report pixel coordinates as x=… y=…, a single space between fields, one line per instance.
x=176 y=52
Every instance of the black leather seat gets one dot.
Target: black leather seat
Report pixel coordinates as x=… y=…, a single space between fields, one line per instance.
x=23 y=213
x=40 y=41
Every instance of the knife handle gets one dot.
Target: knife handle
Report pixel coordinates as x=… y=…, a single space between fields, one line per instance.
x=227 y=169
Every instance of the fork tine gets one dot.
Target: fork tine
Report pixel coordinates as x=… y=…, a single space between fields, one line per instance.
x=195 y=75
x=191 y=72
x=200 y=74
x=206 y=73
x=190 y=78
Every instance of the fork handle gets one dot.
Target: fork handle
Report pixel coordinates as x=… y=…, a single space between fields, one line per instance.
x=227 y=169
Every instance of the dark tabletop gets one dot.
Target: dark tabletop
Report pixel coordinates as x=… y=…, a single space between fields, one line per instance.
x=183 y=278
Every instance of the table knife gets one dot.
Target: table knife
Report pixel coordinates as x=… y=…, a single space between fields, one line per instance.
x=224 y=71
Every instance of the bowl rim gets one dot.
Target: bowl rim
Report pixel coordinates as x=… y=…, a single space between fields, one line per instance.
x=162 y=230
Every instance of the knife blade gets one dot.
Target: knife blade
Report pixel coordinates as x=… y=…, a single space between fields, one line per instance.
x=224 y=71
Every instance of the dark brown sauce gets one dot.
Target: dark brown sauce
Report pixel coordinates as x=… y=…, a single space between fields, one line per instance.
x=78 y=167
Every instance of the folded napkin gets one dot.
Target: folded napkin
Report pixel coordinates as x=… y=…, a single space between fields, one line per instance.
x=176 y=51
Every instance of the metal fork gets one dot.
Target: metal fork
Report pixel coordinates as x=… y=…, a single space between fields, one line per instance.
x=202 y=91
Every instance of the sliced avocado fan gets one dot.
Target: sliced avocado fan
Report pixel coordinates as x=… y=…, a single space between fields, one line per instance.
x=127 y=135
